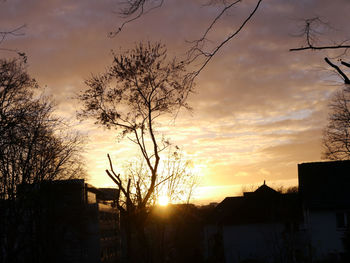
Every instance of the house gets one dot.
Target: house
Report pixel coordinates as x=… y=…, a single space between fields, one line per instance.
x=263 y=225
x=69 y=221
x=266 y=226
x=325 y=191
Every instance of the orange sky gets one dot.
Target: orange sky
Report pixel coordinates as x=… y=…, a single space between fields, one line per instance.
x=259 y=109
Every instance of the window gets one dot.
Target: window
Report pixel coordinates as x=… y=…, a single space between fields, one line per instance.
x=91 y=197
x=340 y=219
x=343 y=219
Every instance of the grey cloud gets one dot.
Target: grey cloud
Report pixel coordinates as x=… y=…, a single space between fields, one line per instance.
x=246 y=100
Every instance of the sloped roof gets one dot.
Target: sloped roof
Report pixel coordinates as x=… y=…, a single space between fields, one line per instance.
x=264 y=205
x=263 y=191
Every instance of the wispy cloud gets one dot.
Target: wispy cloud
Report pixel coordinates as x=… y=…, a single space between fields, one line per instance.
x=258 y=108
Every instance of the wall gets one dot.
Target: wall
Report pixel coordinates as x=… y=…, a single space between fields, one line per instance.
x=254 y=241
x=326 y=238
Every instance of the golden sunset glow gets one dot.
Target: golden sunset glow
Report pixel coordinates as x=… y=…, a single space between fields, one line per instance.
x=163 y=200
x=258 y=109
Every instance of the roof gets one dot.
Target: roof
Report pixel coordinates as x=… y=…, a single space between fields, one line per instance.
x=264 y=205
x=263 y=191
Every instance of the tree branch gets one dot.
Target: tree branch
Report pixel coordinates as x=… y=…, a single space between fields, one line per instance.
x=313 y=27
x=135 y=6
x=345 y=63
x=311 y=47
x=340 y=72
x=13 y=32
x=115 y=178
x=209 y=55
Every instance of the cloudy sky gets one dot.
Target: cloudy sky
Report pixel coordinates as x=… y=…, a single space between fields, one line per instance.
x=259 y=110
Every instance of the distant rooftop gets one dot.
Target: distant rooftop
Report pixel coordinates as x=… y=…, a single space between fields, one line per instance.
x=261 y=206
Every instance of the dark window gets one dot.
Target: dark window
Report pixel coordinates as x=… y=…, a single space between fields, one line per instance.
x=288 y=228
x=296 y=226
x=340 y=219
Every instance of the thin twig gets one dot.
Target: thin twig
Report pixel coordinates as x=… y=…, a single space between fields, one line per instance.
x=210 y=55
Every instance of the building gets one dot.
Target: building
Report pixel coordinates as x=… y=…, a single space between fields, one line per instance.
x=262 y=225
x=69 y=221
x=312 y=225
x=325 y=190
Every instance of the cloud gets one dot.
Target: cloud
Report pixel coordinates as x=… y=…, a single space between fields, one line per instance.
x=258 y=108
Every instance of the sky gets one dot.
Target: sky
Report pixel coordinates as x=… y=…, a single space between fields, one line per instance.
x=258 y=109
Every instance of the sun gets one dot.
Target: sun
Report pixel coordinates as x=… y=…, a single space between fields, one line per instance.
x=163 y=200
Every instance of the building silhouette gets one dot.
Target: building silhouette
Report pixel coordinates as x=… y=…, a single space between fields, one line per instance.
x=72 y=221
x=324 y=188
x=311 y=225
x=68 y=221
x=261 y=225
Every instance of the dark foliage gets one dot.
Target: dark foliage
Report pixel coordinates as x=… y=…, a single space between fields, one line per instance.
x=336 y=138
x=35 y=146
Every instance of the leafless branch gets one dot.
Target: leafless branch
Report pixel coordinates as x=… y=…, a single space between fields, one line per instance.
x=13 y=32
x=115 y=178
x=313 y=28
x=311 y=47
x=137 y=8
x=340 y=72
x=216 y=19
x=345 y=63
x=197 y=51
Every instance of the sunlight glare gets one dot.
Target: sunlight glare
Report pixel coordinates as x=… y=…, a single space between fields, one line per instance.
x=163 y=200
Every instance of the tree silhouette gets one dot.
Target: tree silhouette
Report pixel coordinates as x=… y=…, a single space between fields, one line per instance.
x=35 y=146
x=336 y=137
x=139 y=87
x=176 y=181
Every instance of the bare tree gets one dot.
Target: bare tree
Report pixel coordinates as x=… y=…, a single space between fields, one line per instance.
x=176 y=181
x=179 y=177
x=35 y=146
x=140 y=86
x=336 y=136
